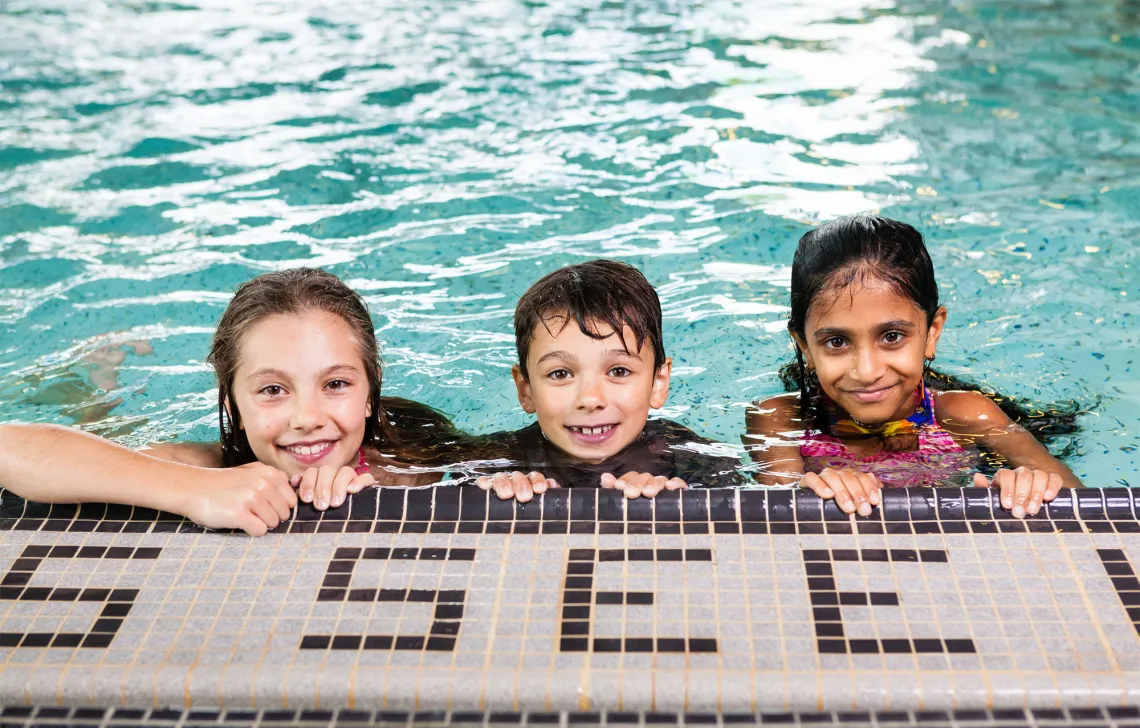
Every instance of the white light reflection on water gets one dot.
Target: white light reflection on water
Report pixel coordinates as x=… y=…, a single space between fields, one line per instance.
x=442 y=156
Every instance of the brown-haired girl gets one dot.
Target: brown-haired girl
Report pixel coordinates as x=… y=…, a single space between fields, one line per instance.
x=299 y=406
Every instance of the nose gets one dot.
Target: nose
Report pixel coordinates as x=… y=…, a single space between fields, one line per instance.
x=591 y=393
x=307 y=414
x=866 y=366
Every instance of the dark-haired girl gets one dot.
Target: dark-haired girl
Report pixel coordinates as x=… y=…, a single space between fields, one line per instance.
x=299 y=407
x=865 y=321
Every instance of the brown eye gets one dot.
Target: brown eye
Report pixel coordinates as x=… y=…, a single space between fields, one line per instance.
x=338 y=384
x=620 y=372
x=272 y=390
x=893 y=337
x=558 y=374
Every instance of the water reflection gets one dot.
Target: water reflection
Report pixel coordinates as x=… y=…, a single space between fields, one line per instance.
x=441 y=157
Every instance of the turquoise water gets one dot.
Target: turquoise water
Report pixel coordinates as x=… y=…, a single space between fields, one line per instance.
x=440 y=157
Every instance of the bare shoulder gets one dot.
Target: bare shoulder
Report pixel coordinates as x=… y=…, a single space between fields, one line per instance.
x=775 y=414
x=969 y=412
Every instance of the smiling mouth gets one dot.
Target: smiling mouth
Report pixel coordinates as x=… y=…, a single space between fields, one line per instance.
x=591 y=431
x=309 y=452
x=870 y=395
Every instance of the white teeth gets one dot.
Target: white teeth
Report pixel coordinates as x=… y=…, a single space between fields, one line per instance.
x=307 y=450
x=593 y=430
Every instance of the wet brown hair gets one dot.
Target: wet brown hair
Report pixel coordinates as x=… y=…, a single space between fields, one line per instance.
x=292 y=293
x=603 y=291
x=852 y=250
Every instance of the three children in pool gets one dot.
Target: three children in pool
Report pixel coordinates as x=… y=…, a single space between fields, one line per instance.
x=301 y=415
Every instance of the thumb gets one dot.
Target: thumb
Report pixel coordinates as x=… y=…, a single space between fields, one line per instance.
x=608 y=480
x=252 y=525
x=981 y=481
x=360 y=481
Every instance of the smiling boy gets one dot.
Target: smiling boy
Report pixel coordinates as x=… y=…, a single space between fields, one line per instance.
x=591 y=365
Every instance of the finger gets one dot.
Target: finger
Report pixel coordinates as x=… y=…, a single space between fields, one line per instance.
x=854 y=483
x=981 y=481
x=1036 y=493
x=308 y=485
x=288 y=495
x=872 y=487
x=278 y=499
x=1005 y=480
x=608 y=481
x=521 y=485
x=1054 y=487
x=251 y=524
x=1022 y=489
x=502 y=485
x=838 y=487
x=632 y=483
x=322 y=493
x=360 y=482
x=264 y=510
x=552 y=483
x=340 y=482
x=484 y=481
x=654 y=486
x=537 y=482
x=813 y=482
x=675 y=484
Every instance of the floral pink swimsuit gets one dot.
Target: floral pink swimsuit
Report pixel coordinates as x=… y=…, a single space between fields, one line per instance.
x=937 y=458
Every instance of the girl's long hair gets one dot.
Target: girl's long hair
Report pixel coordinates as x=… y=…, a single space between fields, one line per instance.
x=851 y=250
x=393 y=424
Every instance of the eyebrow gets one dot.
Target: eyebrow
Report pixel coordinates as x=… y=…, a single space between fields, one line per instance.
x=556 y=355
x=836 y=331
x=560 y=354
x=277 y=373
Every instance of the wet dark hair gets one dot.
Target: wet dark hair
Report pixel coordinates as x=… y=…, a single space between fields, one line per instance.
x=855 y=250
x=294 y=292
x=603 y=291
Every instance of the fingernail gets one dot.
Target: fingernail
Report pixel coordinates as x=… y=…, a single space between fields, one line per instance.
x=336 y=501
x=828 y=493
x=322 y=504
x=619 y=484
x=865 y=509
x=307 y=497
x=1018 y=512
x=875 y=497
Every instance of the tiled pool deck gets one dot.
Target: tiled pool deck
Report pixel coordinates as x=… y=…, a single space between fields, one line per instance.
x=445 y=605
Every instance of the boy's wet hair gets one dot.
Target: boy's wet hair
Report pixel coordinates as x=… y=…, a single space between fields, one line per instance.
x=861 y=249
x=292 y=293
x=605 y=293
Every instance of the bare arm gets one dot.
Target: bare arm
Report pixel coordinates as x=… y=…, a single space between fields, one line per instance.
x=198 y=454
x=976 y=417
x=772 y=440
x=53 y=464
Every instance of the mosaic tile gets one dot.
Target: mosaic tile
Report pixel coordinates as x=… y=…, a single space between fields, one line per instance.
x=644 y=611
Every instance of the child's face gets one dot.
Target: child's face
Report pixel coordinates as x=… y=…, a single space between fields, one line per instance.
x=302 y=392
x=592 y=398
x=867 y=345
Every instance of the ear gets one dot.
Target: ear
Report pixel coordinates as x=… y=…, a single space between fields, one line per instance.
x=526 y=397
x=935 y=332
x=802 y=346
x=660 y=391
x=368 y=408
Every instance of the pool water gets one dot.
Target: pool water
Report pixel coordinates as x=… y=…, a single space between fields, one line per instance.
x=441 y=157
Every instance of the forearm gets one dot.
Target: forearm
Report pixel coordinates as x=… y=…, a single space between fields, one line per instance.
x=53 y=464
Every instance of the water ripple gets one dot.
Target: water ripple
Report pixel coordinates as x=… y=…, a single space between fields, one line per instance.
x=442 y=156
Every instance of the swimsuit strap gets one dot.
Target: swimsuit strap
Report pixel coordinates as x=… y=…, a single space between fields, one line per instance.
x=923 y=417
x=361 y=466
